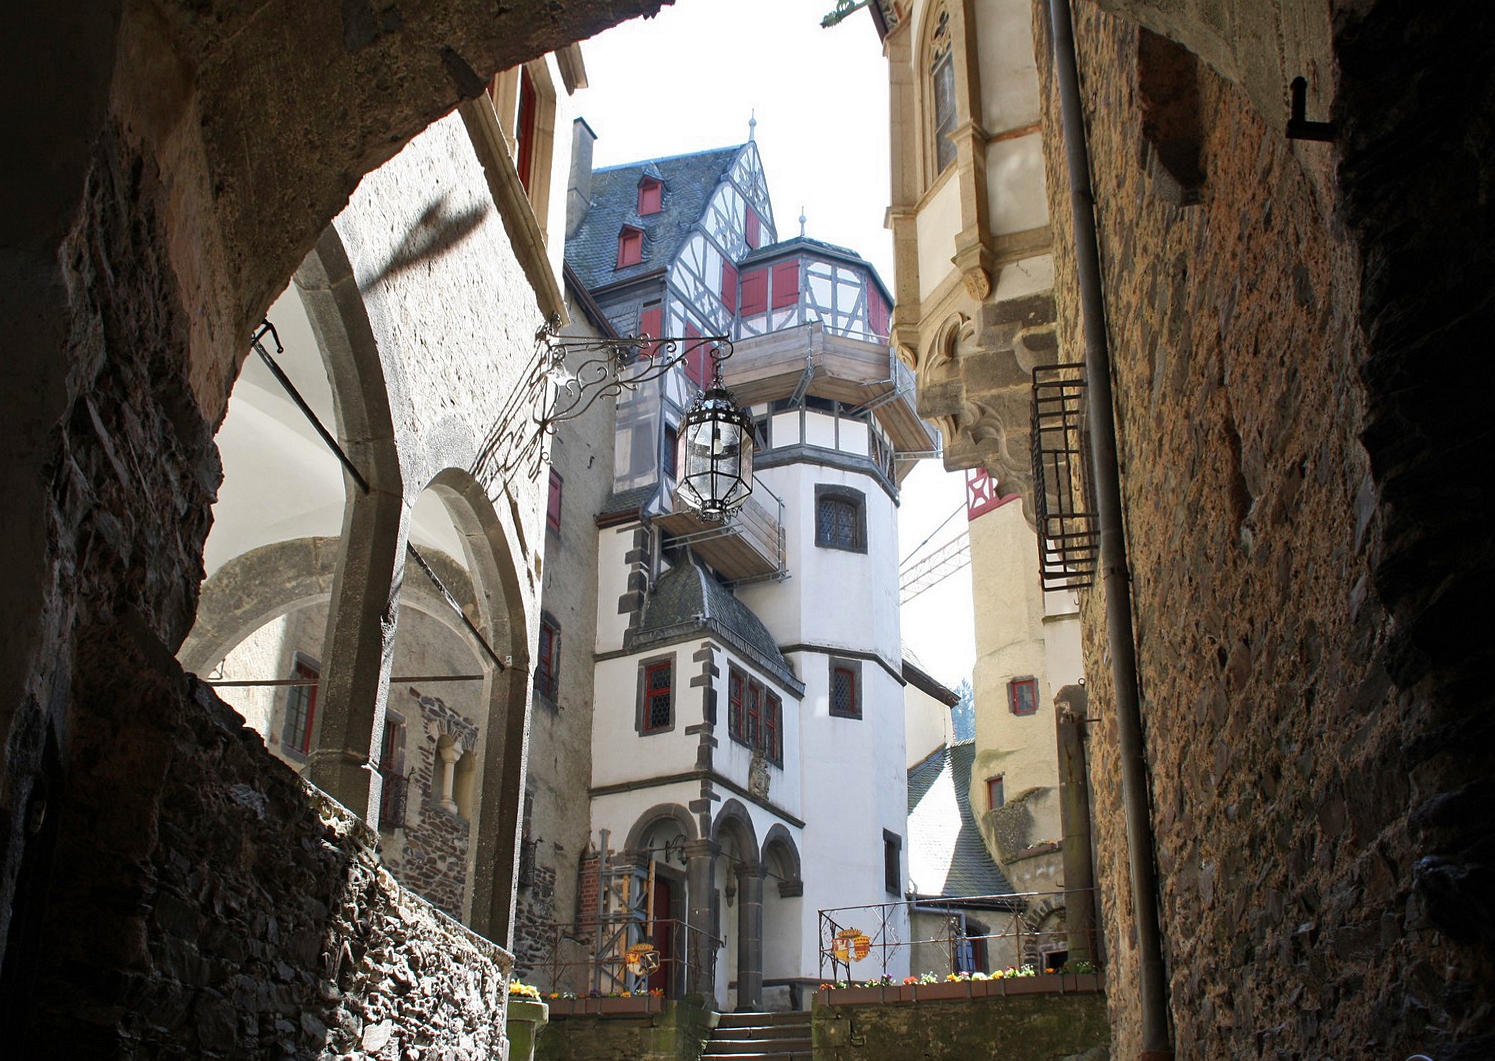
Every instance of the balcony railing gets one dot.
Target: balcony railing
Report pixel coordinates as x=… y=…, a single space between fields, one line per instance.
x=983 y=933
x=748 y=547
x=614 y=956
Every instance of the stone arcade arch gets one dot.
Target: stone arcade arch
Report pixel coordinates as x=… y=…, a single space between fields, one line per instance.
x=666 y=833
x=784 y=962
x=737 y=840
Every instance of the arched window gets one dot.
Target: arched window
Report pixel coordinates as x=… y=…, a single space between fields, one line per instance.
x=941 y=92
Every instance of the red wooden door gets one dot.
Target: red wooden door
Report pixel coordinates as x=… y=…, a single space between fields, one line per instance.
x=664 y=935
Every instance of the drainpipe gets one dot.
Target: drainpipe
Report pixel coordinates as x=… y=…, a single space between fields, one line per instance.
x=1106 y=475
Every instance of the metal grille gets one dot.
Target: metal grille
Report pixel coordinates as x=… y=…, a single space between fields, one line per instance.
x=657 y=703
x=393 y=799
x=1068 y=542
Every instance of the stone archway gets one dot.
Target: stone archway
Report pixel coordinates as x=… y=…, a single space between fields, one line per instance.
x=738 y=841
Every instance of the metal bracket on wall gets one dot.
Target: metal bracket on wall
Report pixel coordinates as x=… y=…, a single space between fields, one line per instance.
x=1298 y=125
x=1068 y=541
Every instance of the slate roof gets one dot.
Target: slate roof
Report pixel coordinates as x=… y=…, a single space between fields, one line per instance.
x=689 y=181
x=946 y=858
x=686 y=598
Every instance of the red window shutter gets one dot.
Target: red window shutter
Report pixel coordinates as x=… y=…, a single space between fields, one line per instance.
x=630 y=247
x=553 y=503
x=772 y=717
x=729 y=287
x=529 y=106
x=754 y=229
x=754 y=292
x=697 y=358
x=649 y=322
x=877 y=313
x=650 y=196
x=785 y=284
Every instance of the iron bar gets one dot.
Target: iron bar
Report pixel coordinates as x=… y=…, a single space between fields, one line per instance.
x=258 y=683
x=452 y=603
x=295 y=395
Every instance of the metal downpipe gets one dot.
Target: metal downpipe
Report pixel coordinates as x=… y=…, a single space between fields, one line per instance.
x=1106 y=477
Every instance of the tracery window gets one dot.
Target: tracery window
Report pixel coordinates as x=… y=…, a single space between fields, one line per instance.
x=942 y=92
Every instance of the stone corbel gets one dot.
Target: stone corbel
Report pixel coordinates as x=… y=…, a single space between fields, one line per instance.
x=976 y=264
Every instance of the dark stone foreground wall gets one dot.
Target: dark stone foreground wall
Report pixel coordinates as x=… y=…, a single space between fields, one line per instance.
x=206 y=902
x=1020 y=1028
x=1301 y=443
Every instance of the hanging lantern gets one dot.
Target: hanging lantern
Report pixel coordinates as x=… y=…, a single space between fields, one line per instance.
x=715 y=463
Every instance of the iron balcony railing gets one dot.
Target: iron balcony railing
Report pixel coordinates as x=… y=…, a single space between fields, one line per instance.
x=970 y=934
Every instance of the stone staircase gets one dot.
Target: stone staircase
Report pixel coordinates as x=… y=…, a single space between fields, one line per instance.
x=760 y=1037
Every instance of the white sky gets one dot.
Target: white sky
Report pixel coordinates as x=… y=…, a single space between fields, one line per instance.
x=688 y=80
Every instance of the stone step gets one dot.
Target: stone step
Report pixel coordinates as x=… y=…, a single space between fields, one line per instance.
x=787 y=1055
x=761 y=1020
x=770 y=1031
x=737 y=1048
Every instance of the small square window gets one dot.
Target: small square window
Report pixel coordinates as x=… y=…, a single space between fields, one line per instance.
x=656 y=695
x=1022 y=696
x=840 y=519
x=995 y=796
x=846 y=692
x=892 y=863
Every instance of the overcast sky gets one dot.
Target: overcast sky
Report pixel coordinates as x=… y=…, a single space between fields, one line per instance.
x=690 y=79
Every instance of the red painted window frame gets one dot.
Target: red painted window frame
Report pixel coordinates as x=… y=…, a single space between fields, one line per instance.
x=668 y=667
x=996 y=794
x=548 y=660
x=650 y=196
x=1012 y=696
x=734 y=704
x=630 y=246
x=303 y=670
x=773 y=725
x=553 y=502
x=753 y=290
x=851 y=687
x=524 y=128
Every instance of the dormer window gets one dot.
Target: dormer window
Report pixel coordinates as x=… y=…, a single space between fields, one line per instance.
x=630 y=246
x=650 y=196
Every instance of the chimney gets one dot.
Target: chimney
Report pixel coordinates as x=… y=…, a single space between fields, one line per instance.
x=579 y=189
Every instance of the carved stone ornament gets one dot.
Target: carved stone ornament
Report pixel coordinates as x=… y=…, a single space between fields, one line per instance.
x=758 y=775
x=978 y=283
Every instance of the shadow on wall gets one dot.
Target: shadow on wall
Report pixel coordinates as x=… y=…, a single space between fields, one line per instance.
x=205 y=899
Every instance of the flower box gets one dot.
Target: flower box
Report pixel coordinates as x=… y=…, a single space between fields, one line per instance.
x=633 y=1006
x=943 y=991
x=855 y=996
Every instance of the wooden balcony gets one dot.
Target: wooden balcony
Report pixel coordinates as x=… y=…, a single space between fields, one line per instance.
x=748 y=546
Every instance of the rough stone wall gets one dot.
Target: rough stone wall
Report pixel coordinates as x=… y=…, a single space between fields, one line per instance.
x=1035 y=1028
x=208 y=903
x=1282 y=722
x=175 y=176
x=677 y=1034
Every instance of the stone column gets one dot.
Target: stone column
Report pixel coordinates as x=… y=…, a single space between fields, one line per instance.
x=358 y=651
x=1074 y=815
x=449 y=753
x=700 y=942
x=749 y=938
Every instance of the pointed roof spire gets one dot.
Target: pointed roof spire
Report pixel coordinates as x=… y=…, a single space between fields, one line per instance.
x=802 y=220
x=752 y=124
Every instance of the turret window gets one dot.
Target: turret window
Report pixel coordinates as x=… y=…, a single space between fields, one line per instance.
x=840 y=519
x=846 y=688
x=942 y=92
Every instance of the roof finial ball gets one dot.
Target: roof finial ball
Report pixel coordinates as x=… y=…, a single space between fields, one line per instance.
x=802 y=220
x=752 y=125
